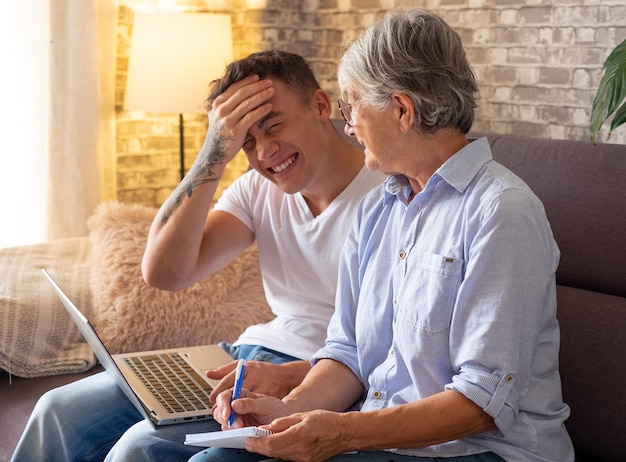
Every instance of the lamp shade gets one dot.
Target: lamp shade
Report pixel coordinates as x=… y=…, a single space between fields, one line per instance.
x=173 y=58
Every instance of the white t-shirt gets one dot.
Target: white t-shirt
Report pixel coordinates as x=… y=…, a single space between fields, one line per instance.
x=298 y=254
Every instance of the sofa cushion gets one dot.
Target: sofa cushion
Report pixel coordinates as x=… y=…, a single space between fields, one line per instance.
x=592 y=367
x=37 y=336
x=132 y=316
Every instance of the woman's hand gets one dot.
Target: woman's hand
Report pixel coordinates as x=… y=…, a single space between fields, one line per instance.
x=303 y=437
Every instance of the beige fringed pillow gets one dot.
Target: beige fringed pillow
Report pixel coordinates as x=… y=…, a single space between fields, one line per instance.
x=37 y=336
x=131 y=316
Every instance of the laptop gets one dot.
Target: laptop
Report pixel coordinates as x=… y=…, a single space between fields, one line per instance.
x=166 y=386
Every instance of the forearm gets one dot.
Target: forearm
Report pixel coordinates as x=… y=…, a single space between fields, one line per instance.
x=437 y=419
x=294 y=373
x=341 y=389
x=176 y=234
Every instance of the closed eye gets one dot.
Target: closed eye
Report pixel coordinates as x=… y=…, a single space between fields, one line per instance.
x=248 y=144
x=268 y=127
x=273 y=127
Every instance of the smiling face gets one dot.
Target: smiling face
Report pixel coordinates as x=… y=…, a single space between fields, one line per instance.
x=284 y=146
x=393 y=143
x=377 y=130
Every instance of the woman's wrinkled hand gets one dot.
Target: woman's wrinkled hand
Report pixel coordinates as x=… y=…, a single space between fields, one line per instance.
x=312 y=436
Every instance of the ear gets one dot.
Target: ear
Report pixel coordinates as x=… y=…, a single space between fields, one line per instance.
x=404 y=110
x=320 y=103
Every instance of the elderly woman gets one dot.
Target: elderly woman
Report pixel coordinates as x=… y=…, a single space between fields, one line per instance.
x=445 y=324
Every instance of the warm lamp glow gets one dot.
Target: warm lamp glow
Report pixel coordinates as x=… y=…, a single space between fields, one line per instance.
x=173 y=58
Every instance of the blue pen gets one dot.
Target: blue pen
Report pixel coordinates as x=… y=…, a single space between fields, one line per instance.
x=239 y=373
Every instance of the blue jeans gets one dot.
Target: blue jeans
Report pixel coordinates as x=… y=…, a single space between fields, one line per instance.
x=91 y=419
x=240 y=455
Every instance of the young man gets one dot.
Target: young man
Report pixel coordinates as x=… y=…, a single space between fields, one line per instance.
x=297 y=203
x=445 y=320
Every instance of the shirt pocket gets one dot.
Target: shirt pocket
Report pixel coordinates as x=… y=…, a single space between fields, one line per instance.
x=427 y=291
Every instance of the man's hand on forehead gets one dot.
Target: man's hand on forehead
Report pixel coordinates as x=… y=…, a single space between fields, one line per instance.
x=233 y=113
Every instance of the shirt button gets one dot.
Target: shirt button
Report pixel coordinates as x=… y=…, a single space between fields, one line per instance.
x=509 y=378
x=376 y=394
x=402 y=254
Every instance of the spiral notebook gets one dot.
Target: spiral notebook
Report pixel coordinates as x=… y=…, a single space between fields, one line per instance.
x=233 y=439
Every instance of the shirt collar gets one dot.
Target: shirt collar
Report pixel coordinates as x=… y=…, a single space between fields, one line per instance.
x=458 y=171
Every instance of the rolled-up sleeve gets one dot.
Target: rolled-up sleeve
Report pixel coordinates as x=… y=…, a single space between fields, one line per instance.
x=502 y=306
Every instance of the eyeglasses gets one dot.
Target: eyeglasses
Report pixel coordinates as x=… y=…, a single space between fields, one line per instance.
x=346 y=111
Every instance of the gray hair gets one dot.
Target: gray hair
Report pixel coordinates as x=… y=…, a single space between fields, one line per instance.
x=416 y=53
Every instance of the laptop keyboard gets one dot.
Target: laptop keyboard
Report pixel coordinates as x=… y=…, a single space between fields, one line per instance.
x=172 y=381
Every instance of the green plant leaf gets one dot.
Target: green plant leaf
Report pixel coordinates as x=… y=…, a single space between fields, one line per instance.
x=619 y=118
x=611 y=91
x=615 y=75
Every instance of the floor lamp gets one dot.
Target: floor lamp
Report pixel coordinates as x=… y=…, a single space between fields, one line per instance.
x=173 y=58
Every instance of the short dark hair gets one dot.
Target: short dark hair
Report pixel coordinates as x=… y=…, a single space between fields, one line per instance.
x=290 y=68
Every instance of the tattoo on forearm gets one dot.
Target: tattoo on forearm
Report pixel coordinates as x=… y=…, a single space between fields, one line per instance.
x=202 y=171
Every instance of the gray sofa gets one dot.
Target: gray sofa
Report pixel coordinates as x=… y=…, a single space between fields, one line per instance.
x=583 y=189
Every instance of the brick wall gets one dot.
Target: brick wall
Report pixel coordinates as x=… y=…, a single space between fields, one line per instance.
x=538 y=64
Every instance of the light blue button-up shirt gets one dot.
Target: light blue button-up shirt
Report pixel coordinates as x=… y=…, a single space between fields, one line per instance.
x=456 y=290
